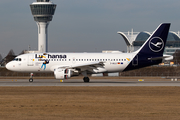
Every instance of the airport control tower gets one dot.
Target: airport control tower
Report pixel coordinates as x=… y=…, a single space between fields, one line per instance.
x=43 y=11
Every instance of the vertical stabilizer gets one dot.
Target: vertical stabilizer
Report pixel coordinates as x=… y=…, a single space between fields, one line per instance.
x=155 y=44
x=151 y=52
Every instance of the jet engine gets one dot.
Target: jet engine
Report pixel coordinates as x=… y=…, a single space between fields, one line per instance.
x=62 y=74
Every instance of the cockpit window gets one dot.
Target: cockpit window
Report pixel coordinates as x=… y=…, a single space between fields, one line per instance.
x=17 y=59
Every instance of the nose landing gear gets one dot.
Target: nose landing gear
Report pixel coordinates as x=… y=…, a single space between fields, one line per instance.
x=31 y=77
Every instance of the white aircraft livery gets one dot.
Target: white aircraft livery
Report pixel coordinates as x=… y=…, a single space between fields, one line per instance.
x=66 y=65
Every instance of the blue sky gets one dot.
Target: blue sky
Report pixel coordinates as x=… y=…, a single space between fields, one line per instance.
x=83 y=25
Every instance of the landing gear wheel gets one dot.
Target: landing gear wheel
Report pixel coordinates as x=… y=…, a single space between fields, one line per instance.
x=31 y=77
x=86 y=79
x=31 y=80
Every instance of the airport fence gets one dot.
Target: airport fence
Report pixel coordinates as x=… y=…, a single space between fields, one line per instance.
x=16 y=74
x=149 y=74
x=51 y=74
x=154 y=71
x=148 y=71
x=5 y=74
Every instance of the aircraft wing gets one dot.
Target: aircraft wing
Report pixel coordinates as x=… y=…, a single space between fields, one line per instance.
x=82 y=67
x=92 y=65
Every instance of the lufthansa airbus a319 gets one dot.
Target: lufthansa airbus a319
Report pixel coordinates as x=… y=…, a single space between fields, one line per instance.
x=67 y=65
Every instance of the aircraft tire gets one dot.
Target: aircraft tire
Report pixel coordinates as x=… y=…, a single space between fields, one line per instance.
x=30 y=80
x=86 y=79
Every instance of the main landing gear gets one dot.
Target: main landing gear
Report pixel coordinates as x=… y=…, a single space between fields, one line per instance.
x=86 y=79
x=31 y=77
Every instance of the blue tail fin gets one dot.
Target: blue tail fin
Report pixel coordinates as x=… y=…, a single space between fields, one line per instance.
x=151 y=52
x=156 y=42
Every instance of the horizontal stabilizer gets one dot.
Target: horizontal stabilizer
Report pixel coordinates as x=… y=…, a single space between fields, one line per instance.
x=165 y=57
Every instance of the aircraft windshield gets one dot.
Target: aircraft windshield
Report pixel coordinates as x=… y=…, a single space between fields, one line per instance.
x=17 y=59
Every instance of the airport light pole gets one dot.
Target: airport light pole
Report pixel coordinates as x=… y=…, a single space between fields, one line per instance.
x=43 y=11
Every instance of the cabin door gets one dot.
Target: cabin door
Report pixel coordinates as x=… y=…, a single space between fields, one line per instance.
x=135 y=61
x=30 y=61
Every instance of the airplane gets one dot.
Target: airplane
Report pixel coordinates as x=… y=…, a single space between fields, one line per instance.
x=67 y=65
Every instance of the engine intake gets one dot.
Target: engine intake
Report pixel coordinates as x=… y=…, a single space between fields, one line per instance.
x=62 y=74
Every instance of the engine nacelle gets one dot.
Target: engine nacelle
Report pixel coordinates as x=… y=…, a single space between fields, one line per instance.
x=62 y=74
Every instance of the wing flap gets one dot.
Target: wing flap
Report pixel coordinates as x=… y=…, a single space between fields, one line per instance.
x=92 y=65
x=81 y=67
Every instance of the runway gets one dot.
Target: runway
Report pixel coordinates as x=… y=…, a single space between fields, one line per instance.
x=93 y=82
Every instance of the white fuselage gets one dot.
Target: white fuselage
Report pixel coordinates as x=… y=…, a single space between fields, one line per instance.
x=113 y=62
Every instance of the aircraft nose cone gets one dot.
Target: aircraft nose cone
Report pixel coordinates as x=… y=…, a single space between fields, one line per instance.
x=9 y=66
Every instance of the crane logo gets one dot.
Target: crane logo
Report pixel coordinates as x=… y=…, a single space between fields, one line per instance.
x=156 y=44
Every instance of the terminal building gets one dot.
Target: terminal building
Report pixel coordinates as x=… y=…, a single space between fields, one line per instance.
x=134 y=40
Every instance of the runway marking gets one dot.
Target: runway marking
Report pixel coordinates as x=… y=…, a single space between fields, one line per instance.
x=5 y=80
x=93 y=82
